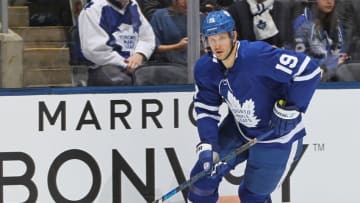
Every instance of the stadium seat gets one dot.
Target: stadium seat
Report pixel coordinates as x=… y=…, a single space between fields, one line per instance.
x=160 y=74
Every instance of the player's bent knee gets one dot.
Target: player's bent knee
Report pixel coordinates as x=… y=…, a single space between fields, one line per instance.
x=247 y=196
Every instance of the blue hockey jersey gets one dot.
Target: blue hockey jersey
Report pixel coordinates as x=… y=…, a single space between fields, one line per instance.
x=260 y=76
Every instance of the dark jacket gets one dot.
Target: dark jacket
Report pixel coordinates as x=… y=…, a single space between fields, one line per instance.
x=148 y=7
x=281 y=14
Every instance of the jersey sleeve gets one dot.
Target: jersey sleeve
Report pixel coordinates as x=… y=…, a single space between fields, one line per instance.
x=298 y=72
x=207 y=102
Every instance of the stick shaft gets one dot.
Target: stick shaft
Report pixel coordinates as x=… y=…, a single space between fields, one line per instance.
x=202 y=174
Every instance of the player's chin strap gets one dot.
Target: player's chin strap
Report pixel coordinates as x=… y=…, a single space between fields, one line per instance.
x=232 y=48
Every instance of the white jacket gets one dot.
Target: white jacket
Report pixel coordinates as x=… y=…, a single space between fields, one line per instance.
x=109 y=35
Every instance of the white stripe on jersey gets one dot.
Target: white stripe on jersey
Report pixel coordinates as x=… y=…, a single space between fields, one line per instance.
x=206 y=115
x=294 y=148
x=303 y=66
x=206 y=107
x=309 y=76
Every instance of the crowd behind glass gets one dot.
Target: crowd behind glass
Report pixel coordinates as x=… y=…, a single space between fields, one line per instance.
x=329 y=34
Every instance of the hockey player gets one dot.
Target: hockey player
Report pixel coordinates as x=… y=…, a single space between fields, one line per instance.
x=265 y=88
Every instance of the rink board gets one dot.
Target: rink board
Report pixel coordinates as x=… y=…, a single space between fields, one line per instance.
x=108 y=146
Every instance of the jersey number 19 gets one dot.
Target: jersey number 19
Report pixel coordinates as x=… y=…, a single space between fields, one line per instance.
x=287 y=63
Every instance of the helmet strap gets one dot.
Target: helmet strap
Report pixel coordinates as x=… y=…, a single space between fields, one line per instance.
x=232 y=46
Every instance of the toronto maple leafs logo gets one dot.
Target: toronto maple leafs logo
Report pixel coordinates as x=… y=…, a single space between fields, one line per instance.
x=245 y=113
x=261 y=24
x=126 y=37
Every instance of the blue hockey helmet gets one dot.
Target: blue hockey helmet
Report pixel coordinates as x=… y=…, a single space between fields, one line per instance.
x=218 y=22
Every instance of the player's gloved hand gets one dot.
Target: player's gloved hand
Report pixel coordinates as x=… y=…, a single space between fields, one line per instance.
x=284 y=118
x=207 y=157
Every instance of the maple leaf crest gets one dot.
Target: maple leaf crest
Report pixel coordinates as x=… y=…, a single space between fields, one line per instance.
x=245 y=113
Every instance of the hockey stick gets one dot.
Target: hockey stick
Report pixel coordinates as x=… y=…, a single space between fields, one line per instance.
x=202 y=174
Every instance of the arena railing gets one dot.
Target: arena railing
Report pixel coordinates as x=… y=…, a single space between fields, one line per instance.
x=4 y=16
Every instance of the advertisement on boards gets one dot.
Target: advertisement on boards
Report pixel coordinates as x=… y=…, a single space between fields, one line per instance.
x=135 y=147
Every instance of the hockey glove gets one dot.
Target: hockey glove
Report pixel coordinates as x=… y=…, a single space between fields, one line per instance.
x=284 y=118
x=207 y=157
x=220 y=169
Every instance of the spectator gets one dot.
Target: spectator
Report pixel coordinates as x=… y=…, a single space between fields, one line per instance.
x=207 y=6
x=49 y=13
x=150 y=6
x=319 y=33
x=265 y=20
x=351 y=20
x=345 y=13
x=116 y=38
x=226 y=3
x=170 y=28
x=350 y=71
x=355 y=54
